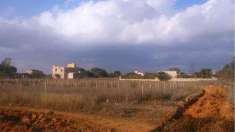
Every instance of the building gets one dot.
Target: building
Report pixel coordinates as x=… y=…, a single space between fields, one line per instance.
x=29 y=71
x=72 y=65
x=58 y=72
x=71 y=69
x=64 y=72
x=172 y=74
x=139 y=73
x=70 y=75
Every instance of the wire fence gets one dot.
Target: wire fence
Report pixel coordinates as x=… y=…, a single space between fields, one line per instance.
x=72 y=95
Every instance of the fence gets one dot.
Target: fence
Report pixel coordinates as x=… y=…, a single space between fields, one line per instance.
x=98 y=83
x=72 y=95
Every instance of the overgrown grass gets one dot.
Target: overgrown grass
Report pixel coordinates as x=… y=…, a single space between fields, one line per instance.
x=91 y=95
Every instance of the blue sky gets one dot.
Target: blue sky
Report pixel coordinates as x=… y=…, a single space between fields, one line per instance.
x=27 y=8
x=147 y=35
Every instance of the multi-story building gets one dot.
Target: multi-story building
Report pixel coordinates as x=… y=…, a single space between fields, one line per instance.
x=58 y=72
x=71 y=69
x=64 y=72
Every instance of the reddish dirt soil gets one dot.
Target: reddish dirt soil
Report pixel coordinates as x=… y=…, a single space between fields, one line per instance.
x=212 y=112
x=20 y=119
x=24 y=121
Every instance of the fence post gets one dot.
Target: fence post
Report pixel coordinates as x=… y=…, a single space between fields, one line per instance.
x=45 y=90
x=142 y=90
x=118 y=84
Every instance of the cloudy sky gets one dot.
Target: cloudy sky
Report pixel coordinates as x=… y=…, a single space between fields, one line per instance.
x=148 y=35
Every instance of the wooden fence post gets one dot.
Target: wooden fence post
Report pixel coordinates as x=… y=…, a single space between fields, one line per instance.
x=142 y=90
x=45 y=91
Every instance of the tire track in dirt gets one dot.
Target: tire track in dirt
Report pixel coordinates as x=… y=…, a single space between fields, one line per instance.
x=209 y=111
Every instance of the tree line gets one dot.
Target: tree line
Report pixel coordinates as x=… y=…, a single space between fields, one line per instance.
x=8 y=70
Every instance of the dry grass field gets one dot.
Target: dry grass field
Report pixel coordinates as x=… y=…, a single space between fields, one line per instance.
x=92 y=94
x=142 y=104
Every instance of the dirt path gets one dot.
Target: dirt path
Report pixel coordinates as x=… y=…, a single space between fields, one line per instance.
x=212 y=112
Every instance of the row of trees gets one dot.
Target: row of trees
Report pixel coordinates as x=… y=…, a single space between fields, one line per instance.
x=7 y=70
x=96 y=73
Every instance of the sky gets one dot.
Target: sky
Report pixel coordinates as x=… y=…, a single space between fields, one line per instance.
x=147 y=35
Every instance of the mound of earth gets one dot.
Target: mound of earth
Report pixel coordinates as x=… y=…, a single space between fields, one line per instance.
x=212 y=112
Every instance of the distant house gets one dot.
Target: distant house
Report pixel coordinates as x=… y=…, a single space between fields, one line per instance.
x=171 y=73
x=139 y=73
x=71 y=69
x=29 y=72
x=64 y=72
x=58 y=72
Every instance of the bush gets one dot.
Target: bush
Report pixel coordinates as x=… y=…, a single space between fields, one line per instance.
x=163 y=76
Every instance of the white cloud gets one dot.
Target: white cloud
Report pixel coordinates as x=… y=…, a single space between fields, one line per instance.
x=132 y=21
x=59 y=36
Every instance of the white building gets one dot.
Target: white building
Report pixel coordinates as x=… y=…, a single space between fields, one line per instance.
x=70 y=75
x=139 y=73
x=29 y=72
x=58 y=72
x=173 y=74
x=64 y=72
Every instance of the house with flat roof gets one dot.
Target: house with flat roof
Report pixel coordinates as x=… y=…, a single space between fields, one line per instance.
x=139 y=73
x=60 y=72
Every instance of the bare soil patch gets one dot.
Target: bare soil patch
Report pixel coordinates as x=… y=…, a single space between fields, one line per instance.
x=212 y=112
x=20 y=119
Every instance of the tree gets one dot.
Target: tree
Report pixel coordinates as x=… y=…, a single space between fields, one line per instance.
x=6 y=62
x=227 y=72
x=82 y=73
x=6 y=69
x=37 y=74
x=150 y=75
x=163 y=76
x=117 y=73
x=132 y=75
x=98 y=72
x=204 y=73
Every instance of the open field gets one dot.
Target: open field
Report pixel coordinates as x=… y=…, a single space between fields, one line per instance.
x=88 y=95
x=143 y=104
